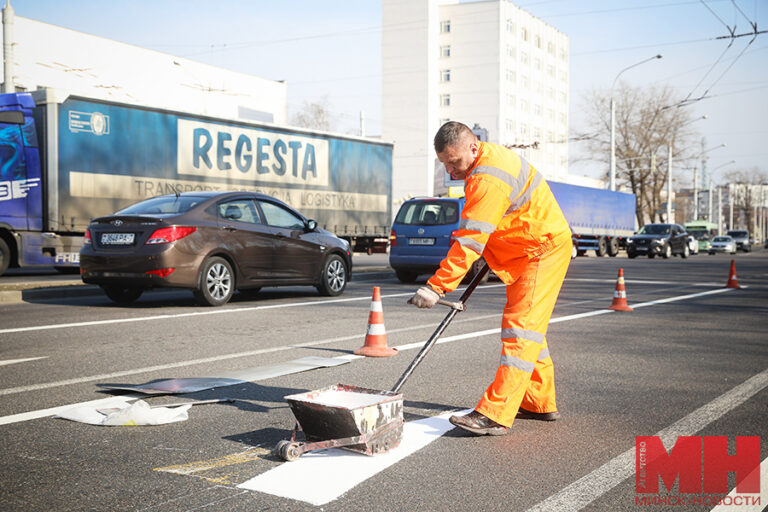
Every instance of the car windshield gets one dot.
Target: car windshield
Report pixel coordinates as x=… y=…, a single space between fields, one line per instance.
x=722 y=239
x=739 y=234
x=654 y=229
x=167 y=205
x=428 y=213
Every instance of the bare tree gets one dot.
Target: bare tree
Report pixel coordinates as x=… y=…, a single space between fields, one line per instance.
x=314 y=115
x=645 y=127
x=745 y=187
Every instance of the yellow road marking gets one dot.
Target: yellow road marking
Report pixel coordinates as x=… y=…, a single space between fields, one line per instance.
x=202 y=466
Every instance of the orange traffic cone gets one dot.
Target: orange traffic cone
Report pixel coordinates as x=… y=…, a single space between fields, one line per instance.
x=376 y=337
x=620 y=295
x=732 y=282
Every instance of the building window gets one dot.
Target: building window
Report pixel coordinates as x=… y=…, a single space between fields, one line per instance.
x=563 y=54
x=523 y=58
x=537 y=109
x=524 y=105
x=537 y=41
x=550 y=48
x=551 y=70
x=523 y=33
x=563 y=97
x=523 y=131
x=526 y=82
x=511 y=100
x=510 y=124
x=445 y=26
x=537 y=64
x=511 y=76
x=445 y=100
x=511 y=52
x=536 y=133
x=445 y=75
x=445 y=51
x=563 y=119
x=550 y=114
x=510 y=26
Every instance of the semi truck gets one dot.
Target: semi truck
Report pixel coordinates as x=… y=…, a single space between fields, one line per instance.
x=66 y=159
x=601 y=220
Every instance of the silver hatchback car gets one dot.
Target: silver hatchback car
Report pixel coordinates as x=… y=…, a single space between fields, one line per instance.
x=722 y=244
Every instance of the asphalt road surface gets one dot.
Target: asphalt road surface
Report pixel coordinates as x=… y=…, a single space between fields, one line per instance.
x=690 y=360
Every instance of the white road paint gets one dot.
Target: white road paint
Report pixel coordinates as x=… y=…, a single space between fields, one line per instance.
x=53 y=411
x=748 y=506
x=322 y=476
x=590 y=487
x=14 y=361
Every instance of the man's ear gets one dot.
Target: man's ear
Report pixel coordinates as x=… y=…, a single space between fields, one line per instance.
x=474 y=147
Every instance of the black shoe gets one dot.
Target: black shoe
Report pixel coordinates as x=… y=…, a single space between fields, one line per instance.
x=522 y=414
x=479 y=424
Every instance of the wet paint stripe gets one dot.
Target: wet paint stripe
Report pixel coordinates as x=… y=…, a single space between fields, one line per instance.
x=592 y=486
x=306 y=479
x=15 y=361
x=749 y=502
x=206 y=469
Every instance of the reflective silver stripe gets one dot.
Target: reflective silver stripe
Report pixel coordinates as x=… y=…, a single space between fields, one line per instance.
x=471 y=244
x=477 y=225
x=518 y=363
x=514 y=332
x=525 y=196
x=543 y=354
x=516 y=183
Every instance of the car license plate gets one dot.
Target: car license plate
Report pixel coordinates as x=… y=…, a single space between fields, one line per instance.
x=117 y=238
x=421 y=241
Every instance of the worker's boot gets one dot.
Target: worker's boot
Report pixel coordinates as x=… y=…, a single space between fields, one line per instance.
x=479 y=424
x=522 y=414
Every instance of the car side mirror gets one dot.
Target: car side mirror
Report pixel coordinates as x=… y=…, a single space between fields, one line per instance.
x=311 y=225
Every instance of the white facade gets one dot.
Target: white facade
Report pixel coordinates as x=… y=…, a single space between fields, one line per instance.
x=488 y=63
x=45 y=55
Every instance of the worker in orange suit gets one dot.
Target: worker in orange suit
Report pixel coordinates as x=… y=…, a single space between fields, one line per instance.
x=510 y=218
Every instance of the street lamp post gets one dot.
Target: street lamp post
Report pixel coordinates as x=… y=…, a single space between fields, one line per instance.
x=612 y=175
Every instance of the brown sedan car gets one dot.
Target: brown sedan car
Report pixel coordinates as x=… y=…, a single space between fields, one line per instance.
x=212 y=243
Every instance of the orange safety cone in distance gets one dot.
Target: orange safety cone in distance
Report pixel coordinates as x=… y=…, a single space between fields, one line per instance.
x=620 y=295
x=376 y=336
x=732 y=281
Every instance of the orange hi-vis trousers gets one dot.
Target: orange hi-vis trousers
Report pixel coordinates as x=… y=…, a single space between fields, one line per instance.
x=525 y=377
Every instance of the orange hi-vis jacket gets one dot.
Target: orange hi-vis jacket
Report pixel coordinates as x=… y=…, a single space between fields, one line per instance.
x=509 y=212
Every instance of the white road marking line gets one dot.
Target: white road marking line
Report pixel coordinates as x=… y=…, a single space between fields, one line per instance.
x=37 y=414
x=14 y=361
x=43 y=413
x=590 y=487
x=752 y=505
x=322 y=476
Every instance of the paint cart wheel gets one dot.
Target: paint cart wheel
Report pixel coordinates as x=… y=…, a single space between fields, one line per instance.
x=288 y=450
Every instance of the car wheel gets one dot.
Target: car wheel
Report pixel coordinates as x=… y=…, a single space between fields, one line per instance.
x=122 y=295
x=651 y=255
x=631 y=255
x=5 y=256
x=406 y=277
x=686 y=252
x=667 y=252
x=216 y=283
x=333 y=278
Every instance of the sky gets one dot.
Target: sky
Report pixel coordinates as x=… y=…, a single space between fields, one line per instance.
x=329 y=51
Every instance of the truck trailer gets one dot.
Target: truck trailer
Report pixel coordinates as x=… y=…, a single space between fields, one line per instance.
x=601 y=220
x=67 y=159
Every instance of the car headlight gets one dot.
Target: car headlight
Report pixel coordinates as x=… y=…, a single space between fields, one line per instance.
x=658 y=241
x=630 y=241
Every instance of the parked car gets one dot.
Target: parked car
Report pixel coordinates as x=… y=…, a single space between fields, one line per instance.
x=741 y=237
x=422 y=234
x=212 y=243
x=663 y=240
x=722 y=244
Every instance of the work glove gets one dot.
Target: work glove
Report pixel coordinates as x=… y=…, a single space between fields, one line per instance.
x=425 y=297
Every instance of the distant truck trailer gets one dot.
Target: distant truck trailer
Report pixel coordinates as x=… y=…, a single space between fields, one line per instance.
x=601 y=220
x=65 y=160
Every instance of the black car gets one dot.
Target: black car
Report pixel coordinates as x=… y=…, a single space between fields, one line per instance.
x=212 y=243
x=663 y=240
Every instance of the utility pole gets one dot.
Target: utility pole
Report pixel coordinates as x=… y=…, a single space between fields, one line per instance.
x=719 y=209
x=731 y=191
x=695 y=193
x=8 y=16
x=710 y=218
x=670 y=219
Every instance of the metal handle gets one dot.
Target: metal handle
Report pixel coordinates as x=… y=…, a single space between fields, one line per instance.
x=453 y=305
x=440 y=328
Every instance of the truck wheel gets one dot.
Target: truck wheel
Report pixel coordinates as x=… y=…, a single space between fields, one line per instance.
x=216 y=283
x=5 y=256
x=613 y=247
x=602 y=247
x=631 y=254
x=406 y=277
x=333 y=278
x=122 y=295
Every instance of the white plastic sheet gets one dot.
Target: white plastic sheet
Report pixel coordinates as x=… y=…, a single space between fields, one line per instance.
x=120 y=412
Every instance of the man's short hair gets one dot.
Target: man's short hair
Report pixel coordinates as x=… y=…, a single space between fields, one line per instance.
x=452 y=133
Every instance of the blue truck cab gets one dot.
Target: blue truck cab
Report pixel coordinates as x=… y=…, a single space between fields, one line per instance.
x=422 y=234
